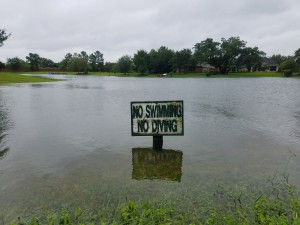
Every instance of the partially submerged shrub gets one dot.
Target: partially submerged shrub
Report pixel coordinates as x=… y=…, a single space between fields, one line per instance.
x=287 y=73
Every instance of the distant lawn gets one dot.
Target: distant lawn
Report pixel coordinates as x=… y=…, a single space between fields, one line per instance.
x=9 y=78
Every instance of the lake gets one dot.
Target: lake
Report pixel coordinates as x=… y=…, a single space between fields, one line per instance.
x=69 y=143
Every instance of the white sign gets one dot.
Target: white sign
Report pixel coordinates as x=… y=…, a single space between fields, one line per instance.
x=157 y=118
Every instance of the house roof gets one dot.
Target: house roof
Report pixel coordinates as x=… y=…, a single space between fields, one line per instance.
x=205 y=65
x=268 y=62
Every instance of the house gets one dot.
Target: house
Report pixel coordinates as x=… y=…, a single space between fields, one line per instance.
x=199 y=68
x=184 y=69
x=204 y=67
x=269 y=65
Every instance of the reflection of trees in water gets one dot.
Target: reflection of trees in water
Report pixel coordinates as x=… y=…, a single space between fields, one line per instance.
x=156 y=165
x=3 y=152
x=4 y=126
x=220 y=110
x=297 y=129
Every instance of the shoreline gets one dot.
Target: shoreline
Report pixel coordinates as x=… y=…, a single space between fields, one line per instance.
x=19 y=77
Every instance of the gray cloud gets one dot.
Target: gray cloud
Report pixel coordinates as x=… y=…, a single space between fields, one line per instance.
x=54 y=28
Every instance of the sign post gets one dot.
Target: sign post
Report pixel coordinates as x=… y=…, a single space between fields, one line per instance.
x=157 y=119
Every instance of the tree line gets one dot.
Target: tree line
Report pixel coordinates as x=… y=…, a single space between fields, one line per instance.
x=226 y=55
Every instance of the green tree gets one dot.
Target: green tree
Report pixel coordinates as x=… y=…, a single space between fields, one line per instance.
x=110 y=67
x=222 y=55
x=124 y=64
x=34 y=60
x=2 y=65
x=165 y=57
x=288 y=67
x=289 y=64
x=141 y=61
x=184 y=59
x=47 y=63
x=79 y=63
x=161 y=60
x=64 y=63
x=297 y=57
x=279 y=58
x=153 y=61
x=96 y=61
x=3 y=36
x=16 y=63
x=251 y=58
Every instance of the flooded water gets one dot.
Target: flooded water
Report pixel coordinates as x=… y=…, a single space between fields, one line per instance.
x=69 y=143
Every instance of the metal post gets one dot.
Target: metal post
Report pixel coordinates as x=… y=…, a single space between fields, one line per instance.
x=157 y=142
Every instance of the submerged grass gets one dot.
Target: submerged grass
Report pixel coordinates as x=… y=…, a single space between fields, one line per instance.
x=8 y=78
x=279 y=204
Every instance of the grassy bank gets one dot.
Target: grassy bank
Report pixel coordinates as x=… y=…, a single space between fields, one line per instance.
x=8 y=78
x=280 y=205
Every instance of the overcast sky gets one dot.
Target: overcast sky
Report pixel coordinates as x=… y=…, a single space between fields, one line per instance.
x=52 y=28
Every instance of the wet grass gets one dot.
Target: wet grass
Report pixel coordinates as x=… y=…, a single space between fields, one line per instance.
x=9 y=78
x=279 y=204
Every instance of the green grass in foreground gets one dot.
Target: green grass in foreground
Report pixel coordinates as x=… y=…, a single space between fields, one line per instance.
x=8 y=78
x=280 y=206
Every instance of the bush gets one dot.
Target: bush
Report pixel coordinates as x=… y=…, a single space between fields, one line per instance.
x=2 y=65
x=211 y=73
x=288 y=67
x=287 y=73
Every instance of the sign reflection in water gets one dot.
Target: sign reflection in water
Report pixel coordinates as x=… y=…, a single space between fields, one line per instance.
x=156 y=165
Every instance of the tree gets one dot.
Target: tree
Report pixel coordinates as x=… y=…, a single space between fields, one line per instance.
x=3 y=36
x=64 y=63
x=251 y=58
x=161 y=60
x=222 y=55
x=16 y=63
x=164 y=60
x=47 y=63
x=34 y=60
x=183 y=59
x=110 y=67
x=124 y=64
x=279 y=58
x=289 y=64
x=141 y=61
x=153 y=61
x=297 y=57
x=79 y=63
x=96 y=61
x=2 y=65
